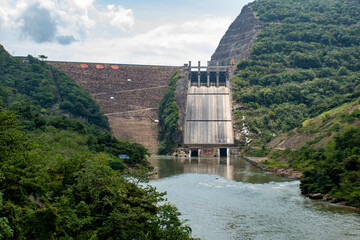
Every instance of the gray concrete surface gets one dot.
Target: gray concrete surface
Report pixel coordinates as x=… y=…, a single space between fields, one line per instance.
x=208 y=116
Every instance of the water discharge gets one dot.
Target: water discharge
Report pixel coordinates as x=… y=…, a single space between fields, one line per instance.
x=230 y=199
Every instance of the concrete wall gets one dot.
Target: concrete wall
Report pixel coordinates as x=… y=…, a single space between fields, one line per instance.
x=129 y=96
x=208 y=116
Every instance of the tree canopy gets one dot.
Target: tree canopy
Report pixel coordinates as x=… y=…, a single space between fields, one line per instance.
x=61 y=175
x=304 y=61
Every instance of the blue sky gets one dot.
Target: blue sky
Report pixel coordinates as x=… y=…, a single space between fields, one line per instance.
x=155 y=32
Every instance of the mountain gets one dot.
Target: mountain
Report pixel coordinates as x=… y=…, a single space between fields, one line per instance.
x=238 y=39
x=297 y=90
x=304 y=61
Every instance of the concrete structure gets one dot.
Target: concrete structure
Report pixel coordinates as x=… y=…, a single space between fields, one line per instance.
x=129 y=95
x=208 y=75
x=208 y=123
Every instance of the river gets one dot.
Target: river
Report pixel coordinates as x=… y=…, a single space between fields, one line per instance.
x=231 y=199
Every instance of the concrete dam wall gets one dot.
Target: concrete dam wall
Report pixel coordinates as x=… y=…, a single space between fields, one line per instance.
x=129 y=96
x=208 y=117
x=208 y=126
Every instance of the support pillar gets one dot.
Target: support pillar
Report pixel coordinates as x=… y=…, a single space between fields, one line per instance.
x=189 y=69
x=217 y=76
x=227 y=83
x=208 y=75
x=199 y=74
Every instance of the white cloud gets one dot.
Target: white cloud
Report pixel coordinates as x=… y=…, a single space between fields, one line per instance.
x=172 y=44
x=118 y=17
x=86 y=31
x=66 y=19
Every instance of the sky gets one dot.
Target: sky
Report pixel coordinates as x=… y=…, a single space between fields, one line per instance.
x=157 y=32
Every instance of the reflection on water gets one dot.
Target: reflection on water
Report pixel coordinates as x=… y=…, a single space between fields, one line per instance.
x=231 y=199
x=229 y=168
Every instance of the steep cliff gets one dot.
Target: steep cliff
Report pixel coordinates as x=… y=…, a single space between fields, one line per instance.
x=238 y=39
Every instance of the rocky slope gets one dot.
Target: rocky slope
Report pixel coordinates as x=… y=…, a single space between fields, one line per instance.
x=238 y=39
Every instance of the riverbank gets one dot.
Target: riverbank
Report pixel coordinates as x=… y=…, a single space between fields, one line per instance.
x=296 y=175
x=246 y=202
x=283 y=172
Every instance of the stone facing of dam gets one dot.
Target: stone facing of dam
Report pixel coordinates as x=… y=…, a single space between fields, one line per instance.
x=129 y=96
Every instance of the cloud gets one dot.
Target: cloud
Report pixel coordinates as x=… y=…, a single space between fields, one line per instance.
x=118 y=17
x=38 y=24
x=168 y=44
x=89 y=31
x=65 y=40
x=64 y=21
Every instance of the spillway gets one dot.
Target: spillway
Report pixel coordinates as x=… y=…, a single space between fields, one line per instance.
x=208 y=117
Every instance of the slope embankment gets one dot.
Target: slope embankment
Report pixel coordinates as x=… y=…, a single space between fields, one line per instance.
x=129 y=96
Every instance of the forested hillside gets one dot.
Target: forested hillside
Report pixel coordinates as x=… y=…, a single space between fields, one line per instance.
x=304 y=61
x=168 y=118
x=304 y=74
x=330 y=161
x=30 y=83
x=60 y=172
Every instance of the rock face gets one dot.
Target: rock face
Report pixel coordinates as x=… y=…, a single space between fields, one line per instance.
x=238 y=39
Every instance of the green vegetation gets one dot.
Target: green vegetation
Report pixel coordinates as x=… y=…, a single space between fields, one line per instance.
x=304 y=61
x=30 y=83
x=62 y=178
x=53 y=186
x=304 y=74
x=168 y=118
x=333 y=169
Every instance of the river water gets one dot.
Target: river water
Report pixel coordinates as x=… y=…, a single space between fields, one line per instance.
x=231 y=199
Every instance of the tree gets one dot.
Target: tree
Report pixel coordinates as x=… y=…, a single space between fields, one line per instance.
x=42 y=57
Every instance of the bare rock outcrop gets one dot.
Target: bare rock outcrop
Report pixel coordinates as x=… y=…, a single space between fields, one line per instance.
x=238 y=39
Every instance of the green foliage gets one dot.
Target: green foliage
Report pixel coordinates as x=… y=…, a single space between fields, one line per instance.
x=62 y=178
x=65 y=184
x=168 y=118
x=333 y=169
x=304 y=61
x=26 y=82
x=107 y=143
x=5 y=230
x=77 y=101
x=259 y=152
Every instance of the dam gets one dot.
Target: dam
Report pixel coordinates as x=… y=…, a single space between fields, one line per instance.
x=129 y=96
x=208 y=123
